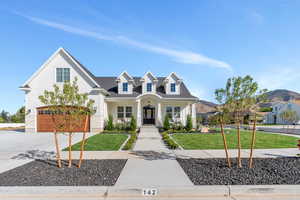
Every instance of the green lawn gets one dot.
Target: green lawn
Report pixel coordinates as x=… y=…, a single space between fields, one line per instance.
x=215 y=141
x=102 y=142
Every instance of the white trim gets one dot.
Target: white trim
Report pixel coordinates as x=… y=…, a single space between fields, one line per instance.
x=148 y=72
x=60 y=49
x=173 y=73
x=151 y=94
x=125 y=72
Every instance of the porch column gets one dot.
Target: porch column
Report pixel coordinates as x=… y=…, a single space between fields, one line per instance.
x=139 y=113
x=159 y=121
x=194 y=120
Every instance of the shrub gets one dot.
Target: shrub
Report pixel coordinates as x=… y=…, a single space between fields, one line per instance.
x=110 y=123
x=166 y=123
x=189 y=123
x=168 y=140
x=132 y=123
x=131 y=141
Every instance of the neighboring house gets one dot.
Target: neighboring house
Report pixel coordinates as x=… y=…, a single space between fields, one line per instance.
x=204 y=110
x=148 y=98
x=279 y=107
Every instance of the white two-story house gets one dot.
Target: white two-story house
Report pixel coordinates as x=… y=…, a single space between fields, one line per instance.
x=274 y=117
x=148 y=98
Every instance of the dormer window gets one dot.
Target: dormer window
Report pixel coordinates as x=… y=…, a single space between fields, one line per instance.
x=62 y=75
x=125 y=87
x=173 y=87
x=149 y=87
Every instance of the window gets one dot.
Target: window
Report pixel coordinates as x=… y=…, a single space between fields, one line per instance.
x=169 y=112
x=120 y=112
x=125 y=87
x=124 y=112
x=173 y=112
x=176 y=112
x=128 y=111
x=173 y=87
x=62 y=74
x=149 y=87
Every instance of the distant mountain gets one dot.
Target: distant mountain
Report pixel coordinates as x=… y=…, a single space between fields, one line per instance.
x=205 y=106
x=282 y=95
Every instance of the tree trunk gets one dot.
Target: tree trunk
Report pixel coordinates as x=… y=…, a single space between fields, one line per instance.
x=224 y=142
x=252 y=143
x=83 y=141
x=70 y=150
x=57 y=150
x=239 y=142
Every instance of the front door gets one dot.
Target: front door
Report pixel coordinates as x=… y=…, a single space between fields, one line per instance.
x=149 y=115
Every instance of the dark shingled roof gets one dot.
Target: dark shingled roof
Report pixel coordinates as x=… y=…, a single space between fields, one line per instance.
x=110 y=85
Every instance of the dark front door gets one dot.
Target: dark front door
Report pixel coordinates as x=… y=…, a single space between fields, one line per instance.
x=149 y=115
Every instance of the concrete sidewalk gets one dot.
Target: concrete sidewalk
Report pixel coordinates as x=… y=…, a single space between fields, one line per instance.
x=214 y=192
x=152 y=170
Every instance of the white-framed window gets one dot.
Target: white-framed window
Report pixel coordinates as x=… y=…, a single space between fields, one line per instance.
x=176 y=112
x=173 y=87
x=128 y=111
x=125 y=87
x=173 y=112
x=62 y=74
x=149 y=87
x=169 y=111
x=124 y=112
x=120 y=111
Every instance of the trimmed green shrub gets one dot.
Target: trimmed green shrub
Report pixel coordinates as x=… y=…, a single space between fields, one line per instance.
x=131 y=141
x=110 y=123
x=132 y=123
x=168 y=140
x=189 y=123
x=166 y=123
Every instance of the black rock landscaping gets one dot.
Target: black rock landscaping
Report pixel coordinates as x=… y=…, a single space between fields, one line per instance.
x=46 y=173
x=266 y=171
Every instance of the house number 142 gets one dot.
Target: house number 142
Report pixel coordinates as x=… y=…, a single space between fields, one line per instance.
x=149 y=192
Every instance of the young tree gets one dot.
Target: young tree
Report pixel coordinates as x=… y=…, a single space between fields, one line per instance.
x=238 y=93
x=290 y=116
x=253 y=104
x=68 y=110
x=222 y=98
x=110 y=123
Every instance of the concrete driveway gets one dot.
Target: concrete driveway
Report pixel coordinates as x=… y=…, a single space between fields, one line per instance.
x=18 y=148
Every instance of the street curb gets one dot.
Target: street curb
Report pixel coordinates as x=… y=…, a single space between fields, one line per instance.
x=192 y=192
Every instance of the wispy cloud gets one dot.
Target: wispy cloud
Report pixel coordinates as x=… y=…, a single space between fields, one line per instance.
x=187 y=57
x=279 y=78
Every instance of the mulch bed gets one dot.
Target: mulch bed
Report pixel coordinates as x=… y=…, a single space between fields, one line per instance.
x=266 y=171
x=46 y=173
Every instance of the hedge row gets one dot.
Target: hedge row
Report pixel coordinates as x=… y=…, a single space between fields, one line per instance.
x=168 y=140
x=131 y=141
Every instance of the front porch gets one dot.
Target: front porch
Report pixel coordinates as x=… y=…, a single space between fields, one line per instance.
x=149 y=109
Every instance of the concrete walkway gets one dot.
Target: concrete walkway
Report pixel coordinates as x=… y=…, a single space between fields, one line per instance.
x=19 y=148
x=152 y=170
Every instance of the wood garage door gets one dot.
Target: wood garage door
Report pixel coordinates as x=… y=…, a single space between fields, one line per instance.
x=45 y=121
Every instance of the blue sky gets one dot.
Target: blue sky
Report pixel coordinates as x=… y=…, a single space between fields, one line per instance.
x=204 y=42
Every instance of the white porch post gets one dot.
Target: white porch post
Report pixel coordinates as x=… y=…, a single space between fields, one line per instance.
x=194 y=120
x=139 y=113
x=159 y=121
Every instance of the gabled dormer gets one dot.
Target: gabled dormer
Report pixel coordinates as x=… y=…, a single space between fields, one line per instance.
x=172 y=84
x=149 y=83
x=125 y=83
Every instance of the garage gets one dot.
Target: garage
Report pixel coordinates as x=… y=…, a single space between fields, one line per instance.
x=45 y=118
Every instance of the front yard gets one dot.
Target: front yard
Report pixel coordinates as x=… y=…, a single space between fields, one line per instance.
x=102 y=142
x=215 y=141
